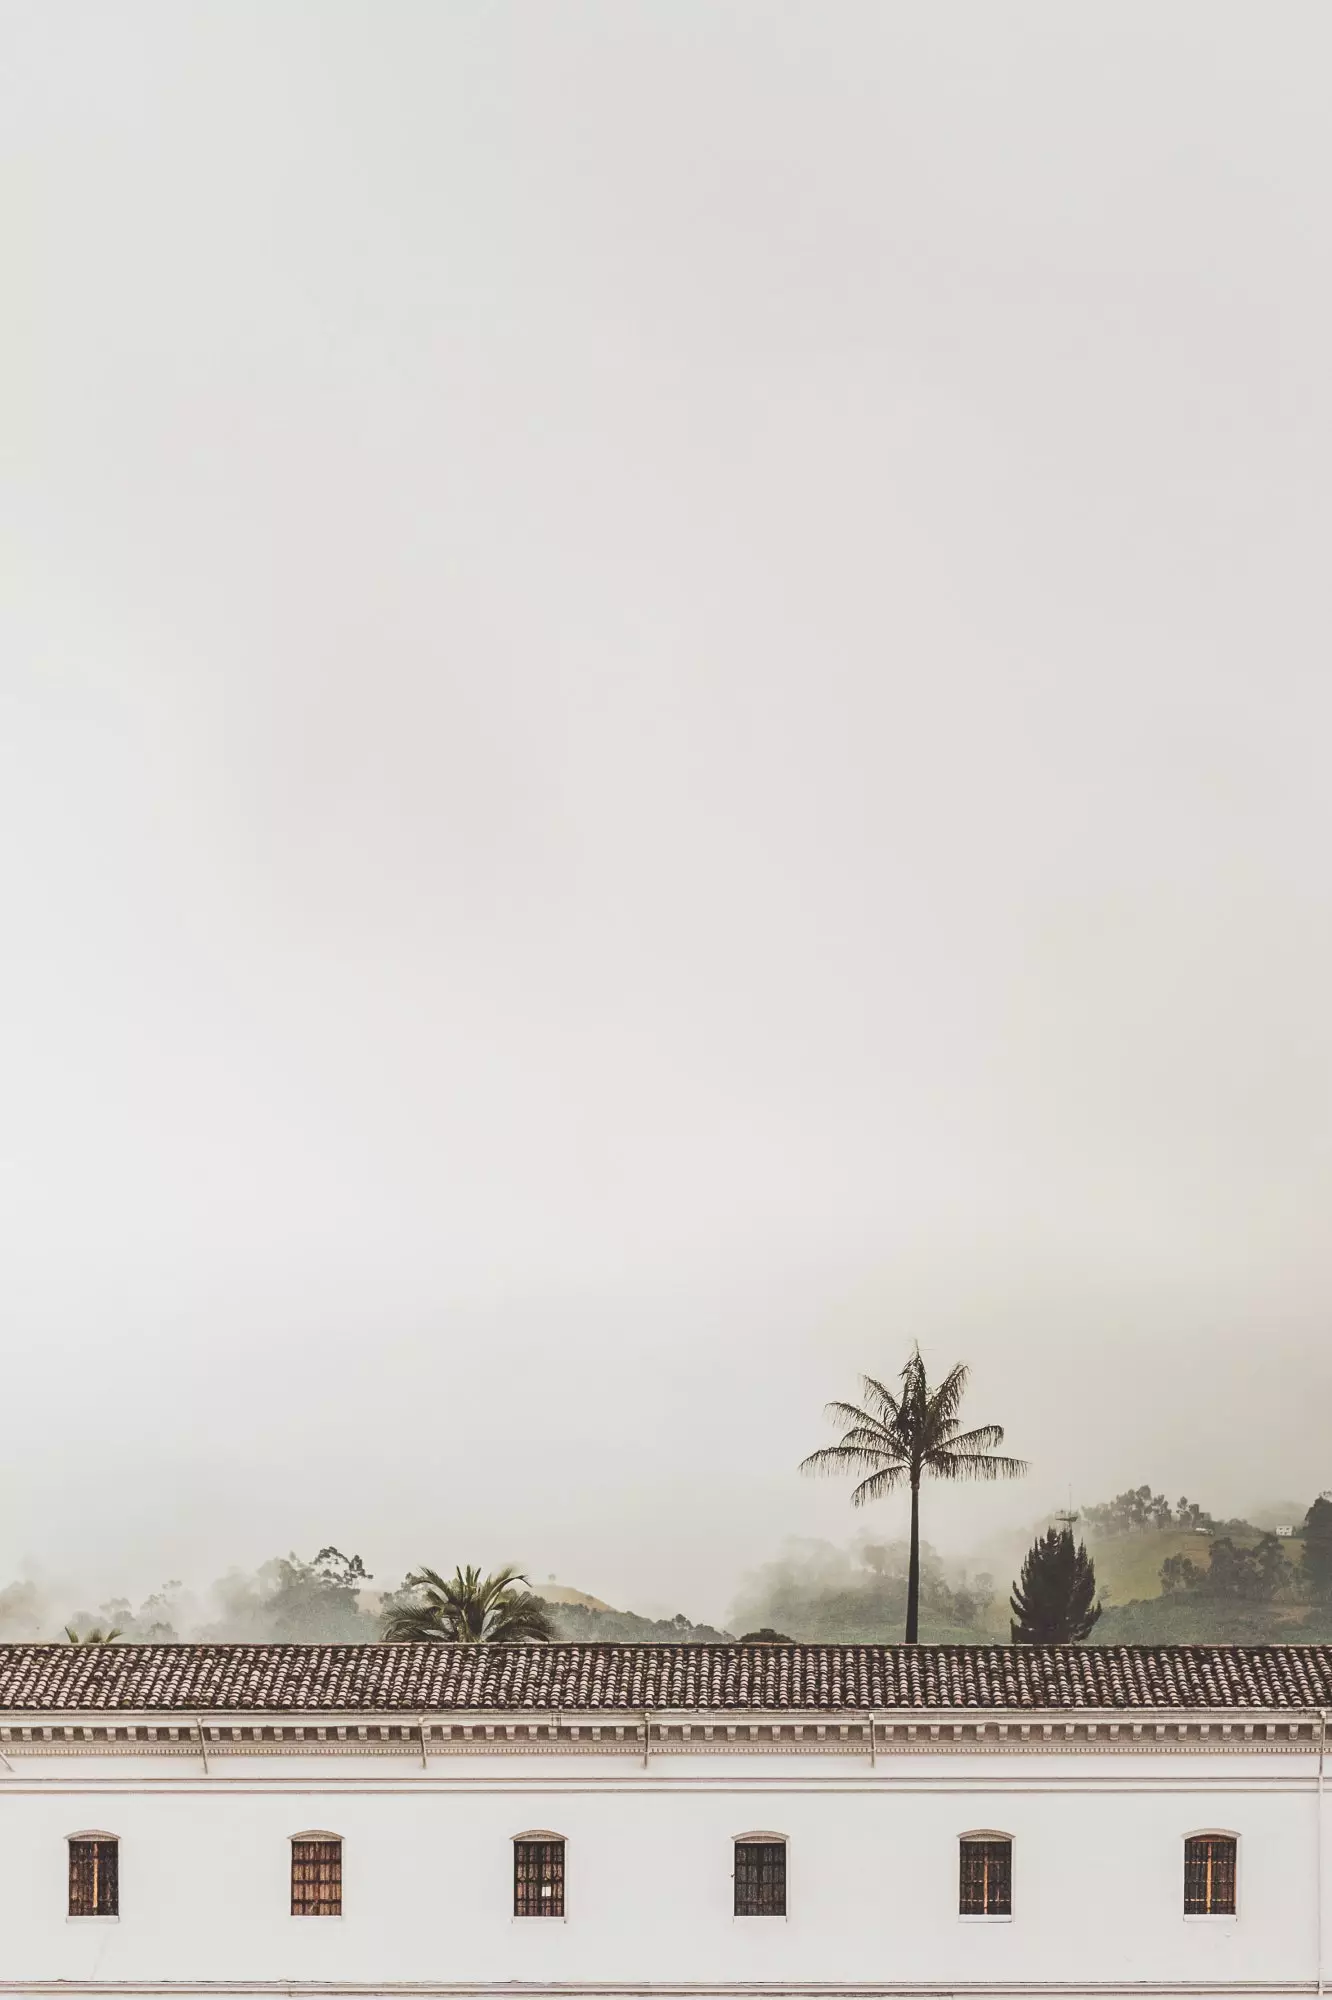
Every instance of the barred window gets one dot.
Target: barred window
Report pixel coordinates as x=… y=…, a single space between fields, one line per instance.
x=985 y=1876
x=1209 y=1875
x=760 y=1878
x=94 y=1877
x=538 y=1878
x=316 y=1875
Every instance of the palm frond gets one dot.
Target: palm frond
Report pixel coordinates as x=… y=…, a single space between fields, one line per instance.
x=876 y=1392
x=851 y=1413
x=842 y=1458
x=412 y=1622
x=880 y=1482
x=946 y=1400
x=977 y=1465
x=522 y=1618
x=869 y=1437
x=469 y=1609
x=984 y=1438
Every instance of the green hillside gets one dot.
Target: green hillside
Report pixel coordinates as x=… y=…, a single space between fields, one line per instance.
x=1202 y=1621
x=1128 y=1567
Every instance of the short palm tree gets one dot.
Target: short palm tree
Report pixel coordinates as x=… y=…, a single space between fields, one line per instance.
x=468 y=1609
x=97 y=1637
x=900 y=1440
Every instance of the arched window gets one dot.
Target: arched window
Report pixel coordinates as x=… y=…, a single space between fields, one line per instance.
x=94 y=1874
x=760 y=1875
x=538 y=1873
x=316 y=1873
x=985 y=1874
x=1210 y=1874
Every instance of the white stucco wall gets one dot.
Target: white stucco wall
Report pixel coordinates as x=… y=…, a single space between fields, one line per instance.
x=872 y=1870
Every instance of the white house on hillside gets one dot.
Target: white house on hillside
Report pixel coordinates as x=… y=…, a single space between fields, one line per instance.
x=702 y=1820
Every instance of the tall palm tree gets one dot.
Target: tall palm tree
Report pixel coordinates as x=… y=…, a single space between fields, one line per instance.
x=468 y=1609
x=899 y=1440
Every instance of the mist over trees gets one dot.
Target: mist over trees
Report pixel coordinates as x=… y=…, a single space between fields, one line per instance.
x=1157 y=1585
x=327 y=1599
x=1138 y=1510
x=858 y=1595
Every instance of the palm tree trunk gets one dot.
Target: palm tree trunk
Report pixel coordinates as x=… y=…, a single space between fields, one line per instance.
x=913 y=1571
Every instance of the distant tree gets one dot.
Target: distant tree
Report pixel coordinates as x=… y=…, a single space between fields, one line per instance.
x=468 y=1609
x=153 y=1621
x=1317 y=1564
x=1271 y=1571
x=288 y=1598
x=1138 y=1509
x=1180 y=1575
x=900 y=1440
x=1054 y=1601
x=765 y=1637
x=1256 y=1576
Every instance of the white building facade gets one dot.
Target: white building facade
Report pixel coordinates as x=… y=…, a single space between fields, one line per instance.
x=703 y=1820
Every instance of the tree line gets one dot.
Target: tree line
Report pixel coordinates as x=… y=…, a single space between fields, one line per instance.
x=1261 y=1574
x=894 y=1440
x=1138 y=1510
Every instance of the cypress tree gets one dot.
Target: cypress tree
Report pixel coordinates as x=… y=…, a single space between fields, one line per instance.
x=1054 y=1601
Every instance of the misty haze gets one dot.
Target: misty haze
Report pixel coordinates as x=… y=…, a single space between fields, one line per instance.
x=663 y=728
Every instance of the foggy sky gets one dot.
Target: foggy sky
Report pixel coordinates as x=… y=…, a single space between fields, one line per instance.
x=664 y=715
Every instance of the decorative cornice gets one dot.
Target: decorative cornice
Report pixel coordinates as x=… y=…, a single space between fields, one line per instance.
x=866 y=1737
x=314 y=1989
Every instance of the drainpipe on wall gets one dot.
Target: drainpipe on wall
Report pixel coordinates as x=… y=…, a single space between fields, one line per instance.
x=203 y=1745
x=1322 y=1760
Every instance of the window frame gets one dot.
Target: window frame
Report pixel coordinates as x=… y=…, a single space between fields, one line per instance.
x=1211 y=1916
x=762 y=1837
x=539 y=1836
x=991 y=1835
x=325 y=1835
x=88 y=1836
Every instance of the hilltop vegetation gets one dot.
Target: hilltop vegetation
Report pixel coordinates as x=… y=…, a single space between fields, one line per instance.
x=583 y=1622
x=1176 y=1575
x=1158 y=1579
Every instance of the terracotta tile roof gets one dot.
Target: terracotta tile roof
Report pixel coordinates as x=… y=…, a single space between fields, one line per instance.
x=408 y=1679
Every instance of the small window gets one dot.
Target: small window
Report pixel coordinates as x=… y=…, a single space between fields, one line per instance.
x=760 y=1878
x=94 y=1877
x=1209 y=1875
x=985 y=1882
x=538 y=1878
x=316 y=1875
